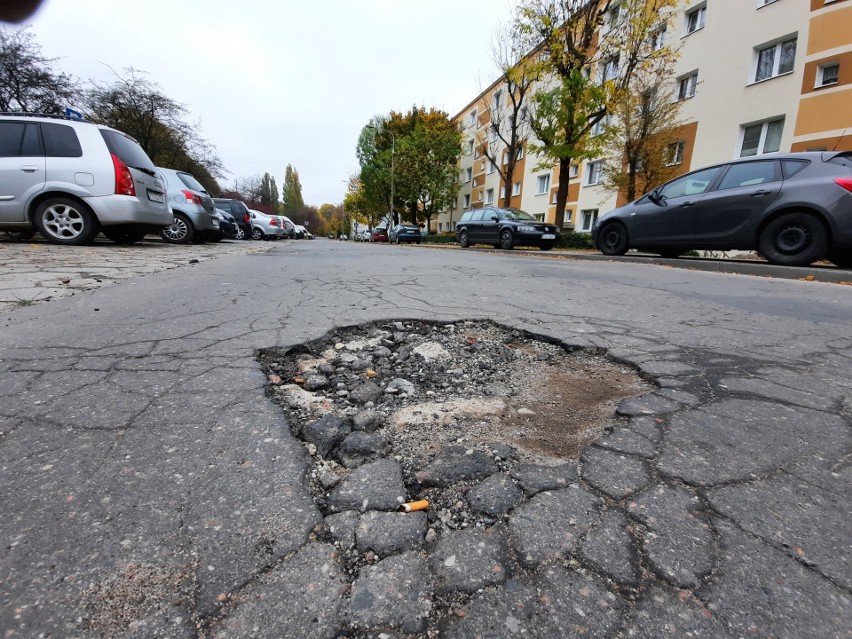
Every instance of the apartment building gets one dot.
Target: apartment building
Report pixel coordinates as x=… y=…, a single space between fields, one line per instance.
x=753 y=76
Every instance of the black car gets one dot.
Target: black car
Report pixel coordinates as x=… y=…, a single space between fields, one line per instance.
x=227 y=226
x=404 y=233
x=240 y=213
x=793 y=208
x=505 y=228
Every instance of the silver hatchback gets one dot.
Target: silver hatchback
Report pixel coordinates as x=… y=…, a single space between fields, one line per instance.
x=69 y=179
x=192 y=206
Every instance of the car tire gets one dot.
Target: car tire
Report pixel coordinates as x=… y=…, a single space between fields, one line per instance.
x=841 y=258
x=417 y=241
x=464 y=239
x=181 y=230
x=240 y=233
x=545 y=247
x=62 y=220
x=794 y=239
x=257 y=234
x=507 y=242
x=612 y=239
x=123 y=234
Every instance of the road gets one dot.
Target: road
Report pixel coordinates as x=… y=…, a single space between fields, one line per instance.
x=147 y=475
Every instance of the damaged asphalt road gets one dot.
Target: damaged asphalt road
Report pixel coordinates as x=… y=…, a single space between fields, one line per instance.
x=153 y=488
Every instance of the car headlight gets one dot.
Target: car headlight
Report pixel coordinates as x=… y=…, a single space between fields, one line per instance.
x=527 y=229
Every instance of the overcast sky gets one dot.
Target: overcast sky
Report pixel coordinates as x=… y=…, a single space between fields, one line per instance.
x=287 y=81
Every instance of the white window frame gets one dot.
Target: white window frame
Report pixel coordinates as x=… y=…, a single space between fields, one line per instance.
x=466 y=201
x=494 y=133
x=468 y=174
x=701 y=15
x=657 y=39
x=588 y=217
x=614 y=16
x=674 y=153
x=470 y=146
x=491 y=167
x=516 y=189
x=609 y=68
x=479 y=198
x=687 y=85
x=573 y=171
x=472 y=116
x=764 y=130
x=820 y=79
x=497 y=99
x=520 y=153
x=567 y=219
x=776 y=46
x=594 y=171
x=489 y=196
x=543 y=184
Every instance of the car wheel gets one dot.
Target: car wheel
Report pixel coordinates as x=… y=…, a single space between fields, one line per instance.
x=123 y=234
x=240 y=233
x=418 y=241
x=841 y=258
x=20 y=236
x=65 y=221
x=464 y=239
x=507 y=242
x=181 y=230
x=794 y=239
x=256 y=233
x=613 y=239
x=546 y=247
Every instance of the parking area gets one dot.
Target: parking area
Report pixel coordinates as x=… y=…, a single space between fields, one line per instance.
x=35 y=271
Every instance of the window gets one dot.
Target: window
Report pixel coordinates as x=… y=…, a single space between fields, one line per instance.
x=574 y=171
x=695 y=19
x=489 y=196
x=479 y=196
x=594 y=170
x=692 y=184
x=543 y=184
x=791 y=167
x=657 y=39
x=516 y=188
x=600 y=126
x=610 y=69
x=470 y=147
x=614 y=16
x=828 y=74
x=472 y=117
x=19 y=139
x=775 y=60
x=520 y=154
x=467 y=200
x=568 y=214
x=686 y=86
x=60 y=141
x=762 y=138
x=589 y=217
x=674 y=153
x=468 y=174
x=494 y=133
x=497 y=100
x=748 y=174
x=491 y=166
x=477 y=216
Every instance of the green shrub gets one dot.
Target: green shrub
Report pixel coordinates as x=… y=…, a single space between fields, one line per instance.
x=438 y=239
x=576 y=241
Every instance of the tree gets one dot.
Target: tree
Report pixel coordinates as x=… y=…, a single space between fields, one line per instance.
x=586 y=52
x=28 y=81
x=138 y=107
x=269 y=192
x=291 y=193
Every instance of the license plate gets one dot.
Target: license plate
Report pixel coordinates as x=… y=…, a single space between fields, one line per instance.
x=548 y=236
x=155 y=196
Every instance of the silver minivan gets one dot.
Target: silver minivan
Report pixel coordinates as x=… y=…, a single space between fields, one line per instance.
x=69 y=179
x=192 y=207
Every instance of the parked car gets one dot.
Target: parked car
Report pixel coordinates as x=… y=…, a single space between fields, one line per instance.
x=380 y=234
x=505 y=228
x=303 y=233
x=227 y=226
x=192 y=208
x=794 y=208
x=239 y=211
x=404 y=233
x=69 y=179
x=265 y=227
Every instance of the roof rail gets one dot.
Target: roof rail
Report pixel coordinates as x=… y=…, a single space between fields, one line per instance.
x=56 y=116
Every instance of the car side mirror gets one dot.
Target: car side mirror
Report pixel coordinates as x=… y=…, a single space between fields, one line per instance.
x=494 y=218
x=656 y=198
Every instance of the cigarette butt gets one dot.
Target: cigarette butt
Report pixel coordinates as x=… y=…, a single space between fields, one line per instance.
x=415 y=505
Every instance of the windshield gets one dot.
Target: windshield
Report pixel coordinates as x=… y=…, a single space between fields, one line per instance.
x=127 y=150
x=515 y=214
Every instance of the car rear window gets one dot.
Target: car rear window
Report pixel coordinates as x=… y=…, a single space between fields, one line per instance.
x=843 y=159
x=190 y=182
x=19 y=139
x=127 y=149
x=60 y=141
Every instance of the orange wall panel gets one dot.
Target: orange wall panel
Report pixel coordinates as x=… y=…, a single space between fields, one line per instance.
x=830 y=30
x=825 y=112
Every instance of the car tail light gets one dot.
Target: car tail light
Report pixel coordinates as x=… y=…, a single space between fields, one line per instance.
x=846 y=183
x=246 y=219
x=273 y=222
x=123 y=179
x=192 y=197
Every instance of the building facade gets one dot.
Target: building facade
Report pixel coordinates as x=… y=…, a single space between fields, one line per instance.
x=753 y=77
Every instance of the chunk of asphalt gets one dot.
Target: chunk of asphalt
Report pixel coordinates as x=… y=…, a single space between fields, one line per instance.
x=361 y=447
x=494 y=496
x=663 y=613
x=467 y=560
x=535 y=478
x=365 y=392
x=551 y=524
x=649 y=404
x=394 y=593
x=377 y=485
x=368 y=420
x=610 y=549
x=629 y=442
x=456 y=464
x=613 y=473
x=507 y=611
x=326 y=433
x=390 y=533
x=341 y=527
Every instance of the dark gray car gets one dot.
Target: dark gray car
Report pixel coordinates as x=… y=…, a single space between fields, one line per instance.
x=794 y=208
x=504 y=228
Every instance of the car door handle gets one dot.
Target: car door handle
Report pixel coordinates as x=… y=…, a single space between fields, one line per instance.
x=685 y=204
x=760 y=193
x=29 y=168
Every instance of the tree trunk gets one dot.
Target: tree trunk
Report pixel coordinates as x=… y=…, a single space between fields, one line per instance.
x=631 y=182
x=562 y=192
x=510 y=175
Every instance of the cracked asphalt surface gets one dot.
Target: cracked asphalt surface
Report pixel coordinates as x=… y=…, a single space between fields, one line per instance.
x=151 y=489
